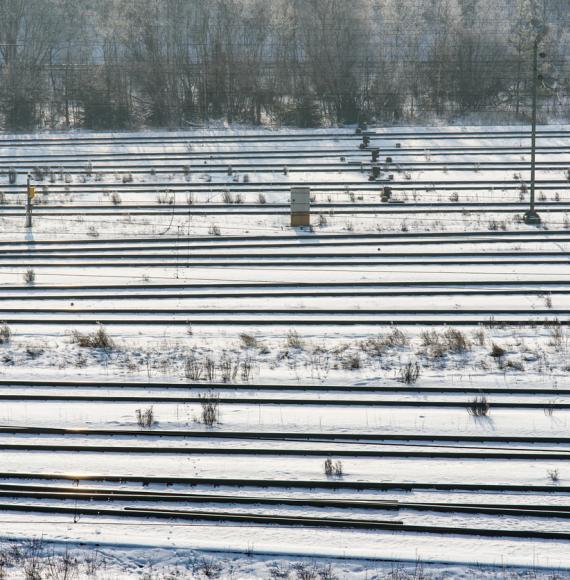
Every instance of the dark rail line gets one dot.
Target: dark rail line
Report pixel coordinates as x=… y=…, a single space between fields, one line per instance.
x=204 y=386
x=286 y=483
x=274 y=520
x=288 y=436
x=110 y=495
x=489 y=320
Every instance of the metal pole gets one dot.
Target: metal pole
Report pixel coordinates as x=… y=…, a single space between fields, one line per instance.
x=531 y=216
x=28 y=204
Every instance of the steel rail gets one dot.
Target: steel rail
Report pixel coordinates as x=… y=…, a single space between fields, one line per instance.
x=231 y=262
x=330 y=484
x=202 y=386
x=465 y=320
x=356 y=438
x=227 y=400
x=393 y=209
x=419 y=237
x=72 y=296
x=275 y=520
x=110 y=495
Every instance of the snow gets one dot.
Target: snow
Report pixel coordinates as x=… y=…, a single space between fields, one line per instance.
x=153 y=354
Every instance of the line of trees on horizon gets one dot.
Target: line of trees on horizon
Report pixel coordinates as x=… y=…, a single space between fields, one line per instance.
x=175 y=63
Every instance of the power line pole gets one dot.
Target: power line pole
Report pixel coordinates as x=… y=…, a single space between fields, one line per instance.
x=531 y=216
x=30 y=194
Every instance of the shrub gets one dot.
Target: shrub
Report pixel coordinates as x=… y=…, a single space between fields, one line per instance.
x=210 y=408
x=293 y=340
x=262 y=199
x=5 y=333
x=352 y=362
x=97 y=339
x=193 y=368
x=554 y=475
x=497 y=351
x=145 y=418
x=479 y=407
x=116 y=198
x=333 y=469
x=409 y=373
x=228 y=370
x=248 y=340
x=214 y=230
x=29 y=277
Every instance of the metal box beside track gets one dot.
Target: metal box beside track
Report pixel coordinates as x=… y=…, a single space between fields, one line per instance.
x=300 y=206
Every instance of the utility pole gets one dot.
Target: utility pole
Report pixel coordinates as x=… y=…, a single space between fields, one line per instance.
x=531 y=216
x=30 y=194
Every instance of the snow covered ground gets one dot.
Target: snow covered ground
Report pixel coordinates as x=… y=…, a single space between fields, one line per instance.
x=174 y=264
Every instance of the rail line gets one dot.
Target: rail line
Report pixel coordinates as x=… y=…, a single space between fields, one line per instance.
x=281 y=187
x=329 y=484
x=111 y=495
x=185 y=138
x=275 y=520
x=292 y=387
x=72 y=295
x=388 y=209
x=214 y=166
x=317 y=237
x=396 y=439
x=286 y=263
x=407 y=453
x=307 y=402
x=100 y=160
x=455 y=318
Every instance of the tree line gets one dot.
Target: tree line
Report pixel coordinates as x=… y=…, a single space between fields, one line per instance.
x=179 y=63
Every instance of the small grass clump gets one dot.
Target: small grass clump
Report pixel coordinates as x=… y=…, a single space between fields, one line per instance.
x=5 y=333
x=293 y=340
x=98 y=339
x=145 y=418
x=409 y=373
x=554 y=475
x=440 y=344
x=497 y=351
x=214 y=230
x=248 y=340
x=333 y=469
x=210 y=408
x=479 y=407
x=29 y=277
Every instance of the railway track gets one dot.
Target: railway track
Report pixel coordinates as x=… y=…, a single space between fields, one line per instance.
x=317 y=238
x=328 y=186
x=405 y=451
x=201 y=386
x=73 y=296
x=111 y=495
x=194 y=137
x=268 y=401
x=457 y=318
x=274 y=520
x=213 y=166
x=390 y=209
x=36 y=494
x=119 y=495
x=324 y=484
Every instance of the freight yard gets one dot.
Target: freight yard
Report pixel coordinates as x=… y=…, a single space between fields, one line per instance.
x=181 y=368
